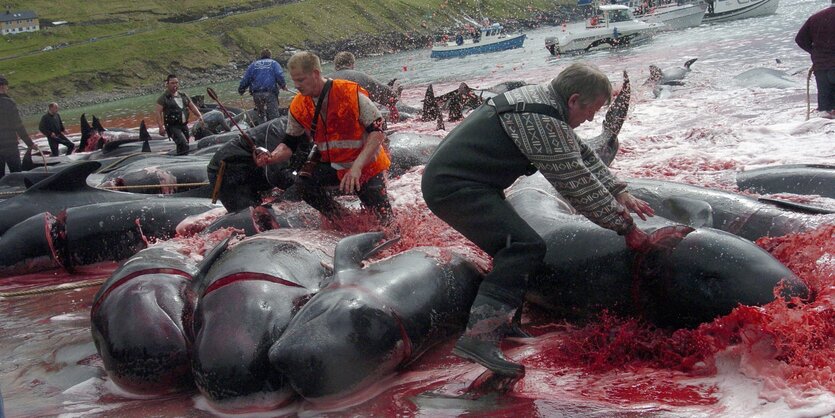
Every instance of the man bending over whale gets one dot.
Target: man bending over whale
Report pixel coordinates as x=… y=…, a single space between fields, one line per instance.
x=515 y=134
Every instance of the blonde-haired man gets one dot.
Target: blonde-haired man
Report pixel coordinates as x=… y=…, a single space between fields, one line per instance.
x=347 y=132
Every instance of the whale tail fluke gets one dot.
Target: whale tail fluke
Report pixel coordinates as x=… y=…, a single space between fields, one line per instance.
x=689 y=63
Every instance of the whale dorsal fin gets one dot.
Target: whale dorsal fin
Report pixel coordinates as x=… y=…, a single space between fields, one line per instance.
x=144 y=136
x=27 y=163
x=689 y=63
x=696 y=213
x=351 y=251
x=655 y=74
x=97 y=124
x=68 y=179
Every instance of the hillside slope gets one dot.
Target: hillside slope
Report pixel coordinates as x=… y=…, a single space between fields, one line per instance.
x=122 y=47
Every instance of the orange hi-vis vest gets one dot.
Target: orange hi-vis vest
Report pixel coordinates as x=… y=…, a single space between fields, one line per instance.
x=340 y=136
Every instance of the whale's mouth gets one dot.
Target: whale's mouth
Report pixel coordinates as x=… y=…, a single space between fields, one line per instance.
x=247 y=276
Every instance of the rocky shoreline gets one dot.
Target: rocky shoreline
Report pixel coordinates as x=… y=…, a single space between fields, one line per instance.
x=386 y=43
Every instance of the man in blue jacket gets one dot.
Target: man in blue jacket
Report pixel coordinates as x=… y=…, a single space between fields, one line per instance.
x=263 y=78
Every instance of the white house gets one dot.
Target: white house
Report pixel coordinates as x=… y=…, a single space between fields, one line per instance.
x=17 y=22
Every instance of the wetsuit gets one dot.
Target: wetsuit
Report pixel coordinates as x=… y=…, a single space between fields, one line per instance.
x=11 y=128
x=464 y=181
x=52 y=127
x=175 y=113
x=243 y=181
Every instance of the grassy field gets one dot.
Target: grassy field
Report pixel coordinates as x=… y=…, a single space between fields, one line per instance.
x=120 y=45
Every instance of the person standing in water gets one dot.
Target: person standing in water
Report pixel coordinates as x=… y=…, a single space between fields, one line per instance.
x=517 y=133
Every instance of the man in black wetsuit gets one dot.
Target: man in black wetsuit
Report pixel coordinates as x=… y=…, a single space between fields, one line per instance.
x=516 y=134
x=11 y=128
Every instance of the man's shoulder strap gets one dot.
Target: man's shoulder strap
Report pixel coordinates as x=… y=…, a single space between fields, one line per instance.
x=503 y=106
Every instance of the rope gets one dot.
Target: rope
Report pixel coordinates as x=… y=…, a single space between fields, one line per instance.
x=135 y=186
x=154 y=186
x=53 y=288
x=808 y=95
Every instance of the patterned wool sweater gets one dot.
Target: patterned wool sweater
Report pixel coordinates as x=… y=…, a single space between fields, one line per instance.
x=564 y=159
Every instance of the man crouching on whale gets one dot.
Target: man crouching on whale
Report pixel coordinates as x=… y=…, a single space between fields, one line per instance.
x=515 y=134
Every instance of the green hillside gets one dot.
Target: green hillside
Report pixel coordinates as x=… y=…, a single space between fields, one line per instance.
x=119 y=46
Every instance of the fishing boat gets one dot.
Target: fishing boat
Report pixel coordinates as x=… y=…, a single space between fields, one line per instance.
x=614 y=27
x=490 y=38
x=725 y=10
x=673 y=15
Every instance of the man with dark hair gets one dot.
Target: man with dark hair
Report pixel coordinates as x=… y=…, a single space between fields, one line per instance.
x=52 y=127
x=172 y=113
x=11 y=128
x=343 y=60
x=517 y=133
x=817 y=37
x=264 y=77
x=386 y=95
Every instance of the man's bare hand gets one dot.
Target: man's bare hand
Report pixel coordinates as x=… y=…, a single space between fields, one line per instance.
x=262 y=157
x=350 y=181
x=635 y=205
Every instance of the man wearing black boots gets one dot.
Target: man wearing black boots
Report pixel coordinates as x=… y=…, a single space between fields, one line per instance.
x=515 y=134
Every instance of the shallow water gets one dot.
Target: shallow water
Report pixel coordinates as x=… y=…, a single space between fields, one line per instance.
x=770 y=361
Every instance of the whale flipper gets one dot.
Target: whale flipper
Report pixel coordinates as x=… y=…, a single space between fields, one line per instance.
x=351 y=251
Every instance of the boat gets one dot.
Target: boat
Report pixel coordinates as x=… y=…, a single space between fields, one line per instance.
x=614 y=27
x=725 y=10
x=490 y=38
x=673 y=15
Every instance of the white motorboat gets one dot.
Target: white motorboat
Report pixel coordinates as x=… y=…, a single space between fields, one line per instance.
x=674 y=15
x=615 y=27
x=725 y=10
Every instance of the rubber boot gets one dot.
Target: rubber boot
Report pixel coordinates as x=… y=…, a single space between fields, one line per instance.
x=515 y=330
x=489 y=321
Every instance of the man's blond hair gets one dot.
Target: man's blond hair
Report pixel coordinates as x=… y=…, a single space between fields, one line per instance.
x=305 y=61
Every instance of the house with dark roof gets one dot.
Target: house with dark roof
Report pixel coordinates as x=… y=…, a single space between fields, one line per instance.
x=18 y=22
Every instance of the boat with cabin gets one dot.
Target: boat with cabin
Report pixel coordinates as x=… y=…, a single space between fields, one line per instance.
x=725 y=10
x=613 y=27
x=674 y=15
x=488 y=38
